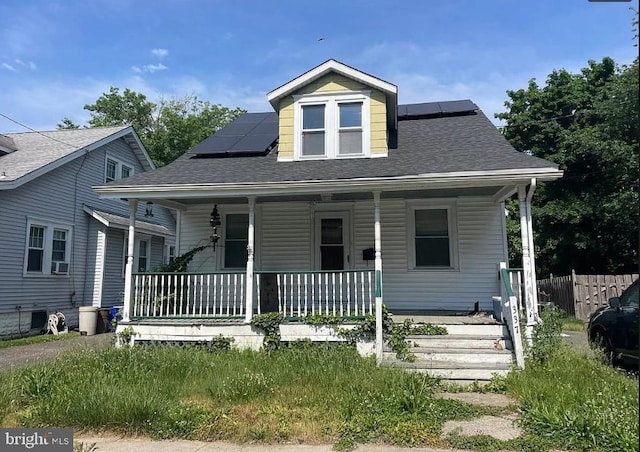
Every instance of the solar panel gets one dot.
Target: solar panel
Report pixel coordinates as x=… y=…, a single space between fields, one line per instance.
x=429 y=108
x=435 y=109
x=249 y=134
x=457 y=106
x=253 y=143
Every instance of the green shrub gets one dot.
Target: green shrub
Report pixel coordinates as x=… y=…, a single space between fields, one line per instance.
x=546 y=339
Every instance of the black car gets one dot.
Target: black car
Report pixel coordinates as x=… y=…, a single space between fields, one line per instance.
x=614 y=328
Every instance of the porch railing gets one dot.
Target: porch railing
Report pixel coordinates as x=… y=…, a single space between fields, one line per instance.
x=344 y=293
x=511 y=304
x=186 y=295
x=349 y=293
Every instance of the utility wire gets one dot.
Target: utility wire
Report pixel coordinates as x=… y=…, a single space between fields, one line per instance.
x=38 y=132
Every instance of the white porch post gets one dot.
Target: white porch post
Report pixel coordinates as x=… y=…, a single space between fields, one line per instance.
x=250 y=260
x=133 y=206
x=529 y=283
x=532 y=253
x=378 y=272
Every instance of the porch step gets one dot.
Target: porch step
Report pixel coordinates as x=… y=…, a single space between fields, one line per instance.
x=476 y=329
x=460 y=372
x=425 y=356
x=465 y=341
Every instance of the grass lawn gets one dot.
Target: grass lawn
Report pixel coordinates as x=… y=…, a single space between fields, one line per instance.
x=309 y=394
x=573 y=324
x=36 y=339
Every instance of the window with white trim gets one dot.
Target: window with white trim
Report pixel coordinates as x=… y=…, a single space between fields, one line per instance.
x=141 y=253
x=335 y=125
x=48 y=248
x=236 y=233
x=432 y=237
x=116 y=169
x=170 y=254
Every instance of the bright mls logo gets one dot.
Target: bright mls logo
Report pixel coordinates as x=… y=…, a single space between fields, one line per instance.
x=50 y=440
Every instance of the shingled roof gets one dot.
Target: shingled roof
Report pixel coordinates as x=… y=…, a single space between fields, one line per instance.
x=437 y=144
x=38 y=152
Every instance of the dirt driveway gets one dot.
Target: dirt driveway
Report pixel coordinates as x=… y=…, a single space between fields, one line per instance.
x=24 y=355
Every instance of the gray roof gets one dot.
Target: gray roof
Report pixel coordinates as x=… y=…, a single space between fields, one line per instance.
x=442 y=144
x=39 y=150
x=120 y=222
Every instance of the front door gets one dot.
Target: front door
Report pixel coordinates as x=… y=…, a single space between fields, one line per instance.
x=332 y=239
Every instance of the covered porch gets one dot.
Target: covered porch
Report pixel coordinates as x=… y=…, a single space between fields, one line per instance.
x=307 y=249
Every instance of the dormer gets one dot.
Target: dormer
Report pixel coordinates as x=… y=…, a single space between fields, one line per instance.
x=334 y=111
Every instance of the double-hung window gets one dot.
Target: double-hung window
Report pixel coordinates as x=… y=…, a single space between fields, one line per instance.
x=236 y=233
x=432 y=237
x=116 y=169
x=48 y=248
x=335 y=125
x=313 y=130
x=350 y=128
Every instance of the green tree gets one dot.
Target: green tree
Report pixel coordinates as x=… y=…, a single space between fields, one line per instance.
x=118 y=109
x=183 y=123
x=67 y=123
x=588 y=124
x=167 y=129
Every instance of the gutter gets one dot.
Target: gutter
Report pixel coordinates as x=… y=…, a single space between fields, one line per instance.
x=398 y=183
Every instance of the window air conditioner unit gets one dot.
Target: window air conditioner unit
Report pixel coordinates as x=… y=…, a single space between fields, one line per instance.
x=60 y=268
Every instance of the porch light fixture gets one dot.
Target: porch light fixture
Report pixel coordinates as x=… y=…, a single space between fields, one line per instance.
x=214 y=222
x=149 y=210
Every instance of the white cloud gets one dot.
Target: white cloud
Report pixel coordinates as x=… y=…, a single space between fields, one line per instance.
x=27 y=65
x=227 y=36
x=151 y=68
x=159 y=53
x=8 y=67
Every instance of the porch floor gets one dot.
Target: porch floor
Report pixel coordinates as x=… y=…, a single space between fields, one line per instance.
x=432 y=317
x=446 y=317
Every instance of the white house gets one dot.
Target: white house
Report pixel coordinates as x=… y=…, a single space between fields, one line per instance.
x=337 y=195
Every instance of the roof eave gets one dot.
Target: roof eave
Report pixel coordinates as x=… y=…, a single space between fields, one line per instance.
x=311 y=75
x=396 y=183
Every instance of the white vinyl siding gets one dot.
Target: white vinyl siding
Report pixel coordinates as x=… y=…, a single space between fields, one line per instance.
x=285 y=242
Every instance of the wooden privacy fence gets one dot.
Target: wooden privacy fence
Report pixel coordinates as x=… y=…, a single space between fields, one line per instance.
x=580 y=295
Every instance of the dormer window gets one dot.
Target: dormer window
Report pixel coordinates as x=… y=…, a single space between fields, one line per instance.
x=313 y=132
x=332 y=125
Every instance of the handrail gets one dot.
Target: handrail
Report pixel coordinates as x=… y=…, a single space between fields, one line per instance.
x=512 y=317
x=218 y=272
x=309 y=272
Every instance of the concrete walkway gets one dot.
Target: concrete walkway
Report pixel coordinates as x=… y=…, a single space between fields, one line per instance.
x=24 y=355
x=113 y=444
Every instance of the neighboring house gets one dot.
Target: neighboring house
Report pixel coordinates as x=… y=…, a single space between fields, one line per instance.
x=62 y=247
x=337 y=196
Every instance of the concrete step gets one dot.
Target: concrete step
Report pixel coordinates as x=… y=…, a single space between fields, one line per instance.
x=452 y=370
x=460 y=341
x=427 y=355
x=476 y=329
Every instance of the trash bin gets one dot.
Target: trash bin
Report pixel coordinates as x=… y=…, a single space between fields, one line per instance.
x=88 y=320
x=115 y=313
x=103 y=321
x=497 y=308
